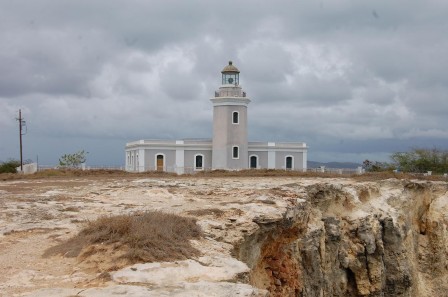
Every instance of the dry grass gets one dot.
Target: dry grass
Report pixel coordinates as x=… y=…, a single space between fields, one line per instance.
x=105 y=173
x=101 y=173
x=375 y=176
x=370 y=176
x=145 y=237
x=253 y=173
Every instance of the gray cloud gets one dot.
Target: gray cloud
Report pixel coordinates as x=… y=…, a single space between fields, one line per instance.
x=353 y=79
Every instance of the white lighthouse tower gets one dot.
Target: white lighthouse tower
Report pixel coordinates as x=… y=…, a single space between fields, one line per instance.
x=230 y=145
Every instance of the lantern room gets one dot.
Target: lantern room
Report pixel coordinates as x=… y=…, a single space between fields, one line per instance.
x=230 y=75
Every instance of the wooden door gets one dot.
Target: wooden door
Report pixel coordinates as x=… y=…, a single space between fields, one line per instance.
x=160 y=163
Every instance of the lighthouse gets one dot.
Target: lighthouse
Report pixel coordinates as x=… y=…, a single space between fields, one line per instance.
x=229 y=142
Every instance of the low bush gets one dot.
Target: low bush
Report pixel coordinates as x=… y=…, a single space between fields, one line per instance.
x=9 y=166
x=144 y=237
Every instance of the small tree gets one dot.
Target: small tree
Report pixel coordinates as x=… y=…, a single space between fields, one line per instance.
x=367 y=165
x=73 y=160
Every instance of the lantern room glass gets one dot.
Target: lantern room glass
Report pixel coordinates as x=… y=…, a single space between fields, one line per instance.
x=230 y=78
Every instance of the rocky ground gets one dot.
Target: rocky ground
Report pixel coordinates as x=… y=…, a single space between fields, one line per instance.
x=263 y=236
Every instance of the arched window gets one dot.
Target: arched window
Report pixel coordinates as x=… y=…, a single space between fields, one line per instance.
x=289 y=162
x=198 y=162
x=253 y=162
x=235 y=152
x=235 y=117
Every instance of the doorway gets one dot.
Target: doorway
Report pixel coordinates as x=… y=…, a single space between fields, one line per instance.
x=160 y=162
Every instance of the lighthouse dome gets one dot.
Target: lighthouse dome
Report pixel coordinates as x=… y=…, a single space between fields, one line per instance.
x=230 y=68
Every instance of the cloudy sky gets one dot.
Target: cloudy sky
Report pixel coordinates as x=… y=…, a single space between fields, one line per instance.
x=353 y=79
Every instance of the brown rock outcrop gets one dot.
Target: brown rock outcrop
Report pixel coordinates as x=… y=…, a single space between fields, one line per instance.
x=386 y=238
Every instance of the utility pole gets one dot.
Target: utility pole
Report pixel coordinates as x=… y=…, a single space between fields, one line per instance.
x=21 y=124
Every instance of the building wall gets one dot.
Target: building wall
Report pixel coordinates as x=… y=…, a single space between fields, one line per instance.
x=28 y=168
x=131 y=159
x=189 y=159
x=226 y=135
x=298 y=162
x=270 y=155
x=280 y=160
x=169 y=160
x=262 y=158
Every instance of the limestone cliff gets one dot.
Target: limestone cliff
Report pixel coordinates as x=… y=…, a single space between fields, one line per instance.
x=385 y=238
x=263 y=236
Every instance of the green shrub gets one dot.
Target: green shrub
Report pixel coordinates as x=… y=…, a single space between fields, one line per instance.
x=422 y=160
x=73 y=160
x=9 y=166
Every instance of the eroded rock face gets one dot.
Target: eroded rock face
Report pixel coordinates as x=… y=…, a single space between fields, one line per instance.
x=374 y=239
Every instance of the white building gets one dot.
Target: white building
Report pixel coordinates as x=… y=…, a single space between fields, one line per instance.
x=228 y=149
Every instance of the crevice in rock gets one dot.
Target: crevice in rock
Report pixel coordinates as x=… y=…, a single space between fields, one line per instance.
x=366 y=263
x=351 y=283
